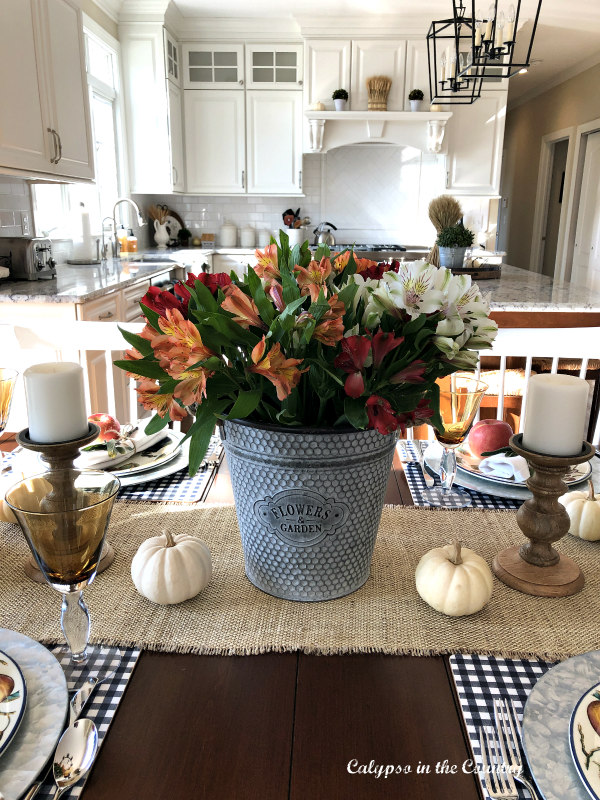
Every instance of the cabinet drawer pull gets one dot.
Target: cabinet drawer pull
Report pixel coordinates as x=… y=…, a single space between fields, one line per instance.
x=300 y=180
x=59 y=147
x=243 y=179
x=54 y=159
x=106 y=315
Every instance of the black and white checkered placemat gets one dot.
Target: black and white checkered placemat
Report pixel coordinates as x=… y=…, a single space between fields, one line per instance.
x=422 y=497
x=103 y=704
x=481 y=679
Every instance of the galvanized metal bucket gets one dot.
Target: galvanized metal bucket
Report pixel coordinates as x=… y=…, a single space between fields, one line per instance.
x=308 y=504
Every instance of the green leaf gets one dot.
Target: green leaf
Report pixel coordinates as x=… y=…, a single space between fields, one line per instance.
x=322 y=252
x=348 y=294
x=156 y=424
x=149 y=369
x=141 y=344
x=350 y=266
x=151 y=316
x=263 y=303
x=206 y=301
x=355 y=412
x=245 y=404
x=199 y=445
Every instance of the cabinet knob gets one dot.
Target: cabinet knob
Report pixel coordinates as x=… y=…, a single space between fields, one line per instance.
x=299 y=83
x=241 y=83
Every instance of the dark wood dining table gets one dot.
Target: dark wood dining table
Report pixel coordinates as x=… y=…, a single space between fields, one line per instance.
x=286 y=725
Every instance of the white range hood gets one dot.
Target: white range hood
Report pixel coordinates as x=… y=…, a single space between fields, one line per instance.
x=421 y=129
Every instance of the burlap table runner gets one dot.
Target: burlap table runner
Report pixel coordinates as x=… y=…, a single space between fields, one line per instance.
x=232 y=617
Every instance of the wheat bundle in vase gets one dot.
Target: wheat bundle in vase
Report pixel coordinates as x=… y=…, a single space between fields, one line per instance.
x=444 y=212
x=378 y=87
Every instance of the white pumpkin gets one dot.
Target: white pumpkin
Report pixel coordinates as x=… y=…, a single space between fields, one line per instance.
x=454 y=581
x=169 y=569
x=584 y=512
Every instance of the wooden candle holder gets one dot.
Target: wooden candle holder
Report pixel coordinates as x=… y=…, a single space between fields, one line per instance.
x=60 y=456
x=536 y=567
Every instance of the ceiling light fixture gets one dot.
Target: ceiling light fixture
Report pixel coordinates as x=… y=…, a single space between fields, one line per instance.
x=464 y=53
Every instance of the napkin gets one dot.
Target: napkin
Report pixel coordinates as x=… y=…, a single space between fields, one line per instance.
x=98 y=459
x=501 y=466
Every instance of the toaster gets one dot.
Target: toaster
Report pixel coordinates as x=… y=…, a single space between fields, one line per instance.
x=27 y=258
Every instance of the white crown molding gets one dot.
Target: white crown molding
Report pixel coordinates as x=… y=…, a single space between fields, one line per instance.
x=143 y=10
x=190 y=29
x=386 y=27
x=563 y=76
x=111 y=8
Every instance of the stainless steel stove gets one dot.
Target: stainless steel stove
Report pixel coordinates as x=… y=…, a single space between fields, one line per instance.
x=378 y=248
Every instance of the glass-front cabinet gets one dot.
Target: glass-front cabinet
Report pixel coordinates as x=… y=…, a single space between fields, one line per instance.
x=172 y=59
x=209 y=66
x=274 y=66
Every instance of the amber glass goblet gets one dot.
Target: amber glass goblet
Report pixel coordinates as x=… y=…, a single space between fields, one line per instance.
x=8 y=379
x=460 y=396
x=64 y=515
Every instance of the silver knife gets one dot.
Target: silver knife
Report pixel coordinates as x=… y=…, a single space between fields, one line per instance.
x=429 y=479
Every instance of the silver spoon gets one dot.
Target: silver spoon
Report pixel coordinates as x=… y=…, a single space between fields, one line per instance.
x=74 y=755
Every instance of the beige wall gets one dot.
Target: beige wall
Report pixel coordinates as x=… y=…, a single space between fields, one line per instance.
x=573 y=102
x=91 y=9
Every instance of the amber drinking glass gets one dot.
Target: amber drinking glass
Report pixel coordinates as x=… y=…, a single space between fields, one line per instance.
x=64 y=515
x=8 y=379
x=460 y=396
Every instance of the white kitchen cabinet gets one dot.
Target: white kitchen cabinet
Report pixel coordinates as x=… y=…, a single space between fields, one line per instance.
x=274 y=66
x=215 y=141
x=377 y=57
x=417 y=72
x=153 y=111
x=474 y=136
x=172 y=61
x=327 y=68
x=48 y=129
x=274 y=149
x=210 y=66
x=226 y=262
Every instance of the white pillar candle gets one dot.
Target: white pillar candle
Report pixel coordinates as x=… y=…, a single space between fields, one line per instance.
x=509 y=30
x=55 y=402
x=488 y=30
x=555 y=414
x=478 y=35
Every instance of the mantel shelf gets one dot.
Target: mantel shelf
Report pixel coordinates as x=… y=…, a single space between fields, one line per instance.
x=388 y=116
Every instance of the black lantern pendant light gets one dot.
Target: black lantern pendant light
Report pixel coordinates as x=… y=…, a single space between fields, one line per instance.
x=465 y=52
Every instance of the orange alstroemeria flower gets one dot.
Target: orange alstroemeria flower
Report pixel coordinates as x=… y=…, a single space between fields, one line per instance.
x=151 y=399
x=193 y=385
x=180 y=346
x=267 y=263
x=244 y=308
x=281 y=371
x=364 y=263
x=330 y=328
x=313 y=274
x=340 y=260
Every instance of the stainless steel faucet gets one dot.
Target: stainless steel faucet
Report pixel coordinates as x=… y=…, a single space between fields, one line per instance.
x=141 y=220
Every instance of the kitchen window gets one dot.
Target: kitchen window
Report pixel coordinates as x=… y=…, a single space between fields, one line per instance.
x=57 y=207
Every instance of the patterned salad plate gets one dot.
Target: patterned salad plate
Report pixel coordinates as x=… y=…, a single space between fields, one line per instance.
x=13 y=698
x=585 y=740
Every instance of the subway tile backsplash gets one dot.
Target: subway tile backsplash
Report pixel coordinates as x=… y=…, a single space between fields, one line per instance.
x=14 y=199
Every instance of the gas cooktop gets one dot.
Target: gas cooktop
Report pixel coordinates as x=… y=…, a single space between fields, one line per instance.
x=378 y=248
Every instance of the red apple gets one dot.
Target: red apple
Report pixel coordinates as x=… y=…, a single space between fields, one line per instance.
x=109 y=427
x=487 y=435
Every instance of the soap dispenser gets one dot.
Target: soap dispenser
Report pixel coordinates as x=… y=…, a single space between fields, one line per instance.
x=122 y=239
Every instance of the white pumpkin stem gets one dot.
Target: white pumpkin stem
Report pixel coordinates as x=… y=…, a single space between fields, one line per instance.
x=169 y=537
x=591 y=495
x=455 y=558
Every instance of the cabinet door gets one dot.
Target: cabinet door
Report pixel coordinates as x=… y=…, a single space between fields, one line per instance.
x=70 y=109
x=274 y=126
x=274 y=66
x=327 y=69
x=172 y=63
x=176 y=136
x=208 y=66
x=474 y=134
x=376 y=57
x=214 y=142
x=24 y=141
x=239 y=264
x=417 y=72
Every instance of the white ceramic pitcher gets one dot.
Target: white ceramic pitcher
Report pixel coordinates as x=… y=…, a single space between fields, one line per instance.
x=161 y=235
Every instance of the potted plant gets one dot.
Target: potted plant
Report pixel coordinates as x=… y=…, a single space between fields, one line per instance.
x=452 y=243
x=184 y=237
x=416 y=98
x=340 y=96
x=312 y=363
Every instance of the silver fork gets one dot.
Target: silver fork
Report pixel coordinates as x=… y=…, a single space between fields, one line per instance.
x=499 y=782
x=509 y=731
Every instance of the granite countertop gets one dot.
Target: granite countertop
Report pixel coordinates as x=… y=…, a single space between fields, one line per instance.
x=520 y=290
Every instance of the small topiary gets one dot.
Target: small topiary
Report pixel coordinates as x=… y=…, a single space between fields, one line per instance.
x=340 y=94
x=455 y=236
x=416 y=94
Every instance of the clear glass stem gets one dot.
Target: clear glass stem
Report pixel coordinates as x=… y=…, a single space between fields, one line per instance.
x=75 y=624
x=448 y=469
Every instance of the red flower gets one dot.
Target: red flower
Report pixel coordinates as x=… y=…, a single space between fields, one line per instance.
x=383 y=343
x=160 y=300
x=354 y=385
x=212 y=282
x=381 y=415
x=355 y=350
x=411 y=374
x=422 y=412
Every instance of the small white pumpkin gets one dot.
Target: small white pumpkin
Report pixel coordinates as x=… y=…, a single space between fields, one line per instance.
x=318 y=106
x=454 y=581
x=584 y=512
x=169 y=569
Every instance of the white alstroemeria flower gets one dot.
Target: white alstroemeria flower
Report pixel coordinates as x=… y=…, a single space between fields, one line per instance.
x=414 y=288
x=483 y=335
x=365 y=288
x=452 y=325
x=448 y=346
x=465 y=359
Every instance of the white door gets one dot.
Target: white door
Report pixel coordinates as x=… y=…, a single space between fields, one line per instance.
x=274 y=66
x=474 y=136
x=215 y=142
x=176 y=136
x=586 y=256
x=24 y=141
x=417 y=72
x=327 y=68
x=377 y=57
x=274 y=126
x=70 y=111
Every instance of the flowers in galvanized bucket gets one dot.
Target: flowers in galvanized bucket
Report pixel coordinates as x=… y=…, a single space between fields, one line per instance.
x=306 y=339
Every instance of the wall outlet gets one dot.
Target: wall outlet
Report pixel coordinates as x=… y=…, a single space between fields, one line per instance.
x=25 y=223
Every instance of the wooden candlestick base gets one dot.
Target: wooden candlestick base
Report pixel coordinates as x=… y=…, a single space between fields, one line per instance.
x=536 y=567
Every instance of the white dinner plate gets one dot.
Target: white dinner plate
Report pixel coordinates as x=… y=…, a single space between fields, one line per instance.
x=153 y=458
x=179 y=461
x=470 y=463
x=47 y=702
x=13 y=692
x=584 y=737
x=546 y=722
